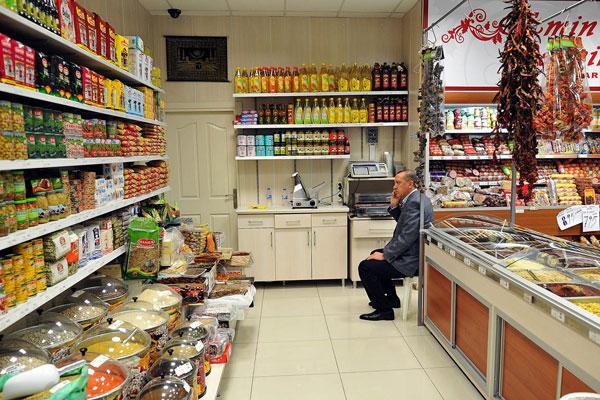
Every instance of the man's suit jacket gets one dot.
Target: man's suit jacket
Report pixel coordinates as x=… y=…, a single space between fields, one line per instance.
x=403 y=250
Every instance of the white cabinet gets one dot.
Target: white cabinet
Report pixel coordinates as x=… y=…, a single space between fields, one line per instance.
x=329 y=252
x=262 y=243
x=365 y=236
x=292 y=254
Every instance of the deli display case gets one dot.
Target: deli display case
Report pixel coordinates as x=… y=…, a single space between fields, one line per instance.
x=518 y=310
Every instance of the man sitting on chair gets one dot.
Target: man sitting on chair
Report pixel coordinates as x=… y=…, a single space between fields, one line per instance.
x=400 y=257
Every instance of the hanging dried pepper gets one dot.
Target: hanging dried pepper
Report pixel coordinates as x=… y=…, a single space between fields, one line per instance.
x=431 y=103
x=519 y=96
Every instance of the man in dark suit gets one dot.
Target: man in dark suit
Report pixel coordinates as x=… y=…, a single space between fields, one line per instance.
x=400 y=257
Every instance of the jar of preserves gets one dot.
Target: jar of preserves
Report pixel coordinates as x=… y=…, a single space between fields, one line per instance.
x=9 y=188
x=33 y=211
x=19 y=185
x=42 y=205
x=3 y=225
x=22 y=214
x=11 y=216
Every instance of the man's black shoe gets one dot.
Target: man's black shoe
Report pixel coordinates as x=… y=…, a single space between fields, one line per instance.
x=378 y=316
x=395 y=304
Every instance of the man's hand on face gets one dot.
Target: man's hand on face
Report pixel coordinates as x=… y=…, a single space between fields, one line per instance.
x=376 y=256
x=394 y=200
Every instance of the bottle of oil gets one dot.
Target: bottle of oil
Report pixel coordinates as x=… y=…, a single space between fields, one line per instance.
x=316 y=112
x=287 y=80
x=365 y=79
x=280 y=80
x=304 y=79
x=347 y=111
x=363 y=113
x=343 y=82
x=296 y=80
x=354 y=113
x=307 y=112
x=244 y=80
x=332 y=79
x=314 y=78
x=264 y=80
x=354 y=79
x=255 y=80
x=324 y=112
x=238 y=85
x=339 y=111
x=298 y=112
x=324 y=78
x=272 y=80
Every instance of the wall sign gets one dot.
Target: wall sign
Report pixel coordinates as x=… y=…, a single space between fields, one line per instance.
x=196 y=58
x=472 y=38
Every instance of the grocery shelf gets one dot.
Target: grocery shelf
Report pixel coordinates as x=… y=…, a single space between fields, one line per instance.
x=44 y=229
x=213 y=381
x=46 y=98
x=7 y=165
x=324 y=94
x=508 y=157
x=33 y=303
x=325 y=157
x=442 y=158
x=43 y=39
x=304 y=126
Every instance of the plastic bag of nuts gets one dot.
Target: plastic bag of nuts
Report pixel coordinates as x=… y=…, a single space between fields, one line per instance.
x=195 y=238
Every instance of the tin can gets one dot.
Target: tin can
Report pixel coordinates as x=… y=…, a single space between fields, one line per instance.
x=301 y=150
x=269 y=151
x=269 y=140
x=261 y=151
x=333 y=137
x=309 y=149
x=241 y=151
x=250 y=140
x=332 y=149
x=241 y=140
x=260 y=140
x=250 y=151
x=324 y=150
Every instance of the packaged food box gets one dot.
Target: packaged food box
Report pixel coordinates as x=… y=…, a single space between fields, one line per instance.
x=122 y=48
x=92 y=31
x=108 y=92
x=95 y=88
x=148 y=65
x=102 y=92
x=66 y=16
x=86 y=74
x=42 y=76
x=76 y=82
x=18 y=50
x=29 y=67
x=111 y=43
x=101 y=37
x=135 y=42
x=136 y=62
x=81 y=31
x=7 y=60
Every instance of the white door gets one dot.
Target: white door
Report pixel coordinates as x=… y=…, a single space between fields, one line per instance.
x=201 y=150
x=262 y=245
x=329 y=255
x=292 y=254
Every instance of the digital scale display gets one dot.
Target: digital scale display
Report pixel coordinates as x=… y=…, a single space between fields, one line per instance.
x=365 y=170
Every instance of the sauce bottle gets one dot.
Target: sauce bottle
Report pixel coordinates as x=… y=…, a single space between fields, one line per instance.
x=280 y=80
x=354 y=79
x=365 y=80
x=295 y=80
x=324 y=112
x=331 y=111
x=268 y=114
x=332 y=79
x=314 y=78
x=347 y=111
x=404 y=105
x=403 y=82
x=264 y=80
x=316 y=112
x=304 y=79
x=354 y=112
x=238 y=85
x=386 y=109
x=363 y=113
x=307 y=112
x=272 y=80
x=261 y=115
x=343 y=79
x=339 y=111
x=385 y=77
x=287 y=80
x=376 y=77
x=298 y=112
x=398 y=111
x=379 y=110
x=394 y=77
x=324 y=78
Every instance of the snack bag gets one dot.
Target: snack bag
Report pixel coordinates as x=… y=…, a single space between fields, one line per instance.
x=143 y=255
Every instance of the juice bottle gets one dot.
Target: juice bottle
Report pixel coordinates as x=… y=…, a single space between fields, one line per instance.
x=244 y=80
x=316 y=112
x=324 y=112
x=331 y=111
x=280 y=80
x=355 y=78
x=307 y=112
x=347 y=111
x=403 y=81
x=324 y=75
x=385 y=77
x=295 y=80
x=354 y=113
x=287 y=80
x=363 y=113
x=365 y=79
x=272 y=80
x=298 y=112
x=376 y=77
x=332 y=80
x=304 y=79
x=264 y=80
x=255 y=80
x=343 y=79
x=238 y=85
x=314 y=78
x=339 y=112
x=394 y=77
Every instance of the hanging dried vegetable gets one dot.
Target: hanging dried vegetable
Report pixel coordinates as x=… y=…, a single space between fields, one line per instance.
x=431 y=103
x=520 y=93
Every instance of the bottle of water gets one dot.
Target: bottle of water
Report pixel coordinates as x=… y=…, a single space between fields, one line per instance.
x=269 y=197
x=284 y=195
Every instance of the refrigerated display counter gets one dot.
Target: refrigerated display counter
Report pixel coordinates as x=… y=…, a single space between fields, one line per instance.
x=518 y=310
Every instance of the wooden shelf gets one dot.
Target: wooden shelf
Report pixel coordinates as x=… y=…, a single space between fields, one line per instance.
x=322 y=94
x=318 y=126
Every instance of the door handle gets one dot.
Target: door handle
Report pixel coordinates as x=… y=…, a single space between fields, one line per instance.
x=271 y=239
x=315 y=238
x=235 y=198
x=308 y=238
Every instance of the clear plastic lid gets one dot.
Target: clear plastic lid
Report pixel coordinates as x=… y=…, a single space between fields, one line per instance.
x=18 y=355
x=53 y=331
x=85 y=311
x=142 y=314
x=170 y=365
x=161 y=296
x=116 y=339
x=167 y=388
x=107 y=289
x=192 y=330
x=190 y=349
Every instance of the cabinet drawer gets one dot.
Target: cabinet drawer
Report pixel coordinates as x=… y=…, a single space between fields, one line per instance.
x=336 y=219
x=292 y=221
x=373 y=228
x=255 y=221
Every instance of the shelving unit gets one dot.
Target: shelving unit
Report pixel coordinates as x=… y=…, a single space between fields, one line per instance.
x=322 y=94
x=53 y=43
x=13 y=315
x=49 y=99
x=316 y=126
x=213 y=381
x=31 y=233
x=9 y=165
x=327 y=157
x=509 y=157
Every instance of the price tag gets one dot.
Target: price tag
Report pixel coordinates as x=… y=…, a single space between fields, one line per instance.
x=116 y=325
x=590 y=216
x=594 y=337
x=195 y=324
x=452 y=253
x=440 y=245
x=183 y=369
x=199 y=346
x=528 y=298
x=467 y=262
x=504 y=283
x=186 y=386
x=482 y=270
x=569 y=217
x=98 y=361
x=559 y=315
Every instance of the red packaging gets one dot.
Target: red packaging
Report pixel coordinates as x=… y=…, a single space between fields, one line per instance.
x=18 y=49
x=91 y=29
x=95 y=91
x=81 y=31
x=7 y=60
x=111 y=43
x=87 y=84
x=66 y=17
x=101 y=37
x=29 y=67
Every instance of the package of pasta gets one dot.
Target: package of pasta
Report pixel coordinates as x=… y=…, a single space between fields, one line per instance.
x=143 y=255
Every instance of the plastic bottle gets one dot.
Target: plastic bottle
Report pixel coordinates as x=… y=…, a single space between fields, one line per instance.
x=339 y=111
x=284 y=195
x=255 y=81
x=264 y=80
x=316 y=112
x=376 y=77
x=324 y=112
x=245 y=80
x=386 y=109
x=403 y=81
x=355 y=113
x=272 y=80
x=238 y=85
x=324 y=78
x=343 y=79
x=354 y=78
x=332 y=79
x=304 y=79
x=287 y=80
x=269 y=197
x=331 y=111
x=385 y=77
x=314 y=78
x=298 y=112
x=394 y=75
x=307 y=112
x=347 y=111
x=295 y=80
x=363 y=113
x=280 y=80
x=365 y=80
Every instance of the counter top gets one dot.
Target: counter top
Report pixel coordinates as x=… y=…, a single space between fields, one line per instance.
x=289 y=210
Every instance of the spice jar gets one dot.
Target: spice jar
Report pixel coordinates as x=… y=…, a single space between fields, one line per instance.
x=42 y=206
x=22 y=214
x=19 y=185
x=33 y=211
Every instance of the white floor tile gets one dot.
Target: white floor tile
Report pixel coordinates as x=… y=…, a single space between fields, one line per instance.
x=286 y=329
x=290 y=290
x=303 y=387
x=291 y=307
x=410 y=327
x=235 y=389
x=351 y=327
x=247 y=331
x=353 y=305
x=241 y=363
x=453 y=384
x=373 y=354
x=429 y=352
x=295 y=358
x=330 y=289
x=410 y=384
x=254 y=312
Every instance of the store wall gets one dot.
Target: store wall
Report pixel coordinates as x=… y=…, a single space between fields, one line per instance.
x=126 y=16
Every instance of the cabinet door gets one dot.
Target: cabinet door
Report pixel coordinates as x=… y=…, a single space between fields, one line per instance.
x=260 y=243
x=292 y=254
x=329 y=253
x=359 y=250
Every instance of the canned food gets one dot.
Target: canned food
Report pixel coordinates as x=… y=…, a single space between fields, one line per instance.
x=260 y=140
x=241 y=140
x=241 y=151
x=269 y=140
x=250 y=140
x=251 y=151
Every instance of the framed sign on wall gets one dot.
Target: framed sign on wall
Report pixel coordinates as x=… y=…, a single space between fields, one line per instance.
x=196 y=58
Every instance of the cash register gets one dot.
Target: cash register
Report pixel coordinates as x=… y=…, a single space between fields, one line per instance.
x=369 y=187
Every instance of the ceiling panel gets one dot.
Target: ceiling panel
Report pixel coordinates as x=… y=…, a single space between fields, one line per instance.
x=257 y=5
x=313 y=5
x=363 y=14
x=154 y=5
x=258 y=13
x=405 y=6
x=325 y=14
x=369 y=6
x=200 y=5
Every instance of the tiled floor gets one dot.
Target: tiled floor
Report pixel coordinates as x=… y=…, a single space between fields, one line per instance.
x=305 y=341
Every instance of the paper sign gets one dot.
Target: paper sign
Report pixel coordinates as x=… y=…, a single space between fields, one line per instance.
x=569 y=217
x=590 y=218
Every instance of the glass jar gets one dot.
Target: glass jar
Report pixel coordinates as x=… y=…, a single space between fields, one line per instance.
x=33 y=211
x=11 y=216
x=42 y=205
x=3 y=225
x=22 y=214
x=19 y=185
x=9 y=188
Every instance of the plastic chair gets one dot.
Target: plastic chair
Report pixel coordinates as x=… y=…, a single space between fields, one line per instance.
x=408 y=288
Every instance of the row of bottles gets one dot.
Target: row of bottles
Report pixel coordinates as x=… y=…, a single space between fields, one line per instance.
x=326 y=79
x=334 y=113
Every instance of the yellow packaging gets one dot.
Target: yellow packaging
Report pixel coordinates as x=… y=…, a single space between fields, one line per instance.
x=25 y=249
x=20 y=280
x=17 y=264
x=9 y=284
x=10 y=300
x=122 y=46
x=7 y=266
x=38 y=262
x=30 y=273
x=32 y=288
x=22 y=294
x=38 y=247
x=108 y=87
x=41 y=282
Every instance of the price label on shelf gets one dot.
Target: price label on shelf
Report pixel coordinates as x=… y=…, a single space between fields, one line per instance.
x=504 y=283
x=467 y=262
x=452 y=253
x=559 y=315
x=482 y=270
x=440 y=245
x=590 y=216
x=528 y=298
x=569 y=217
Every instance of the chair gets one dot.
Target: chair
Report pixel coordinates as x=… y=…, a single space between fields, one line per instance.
x=408 y=283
